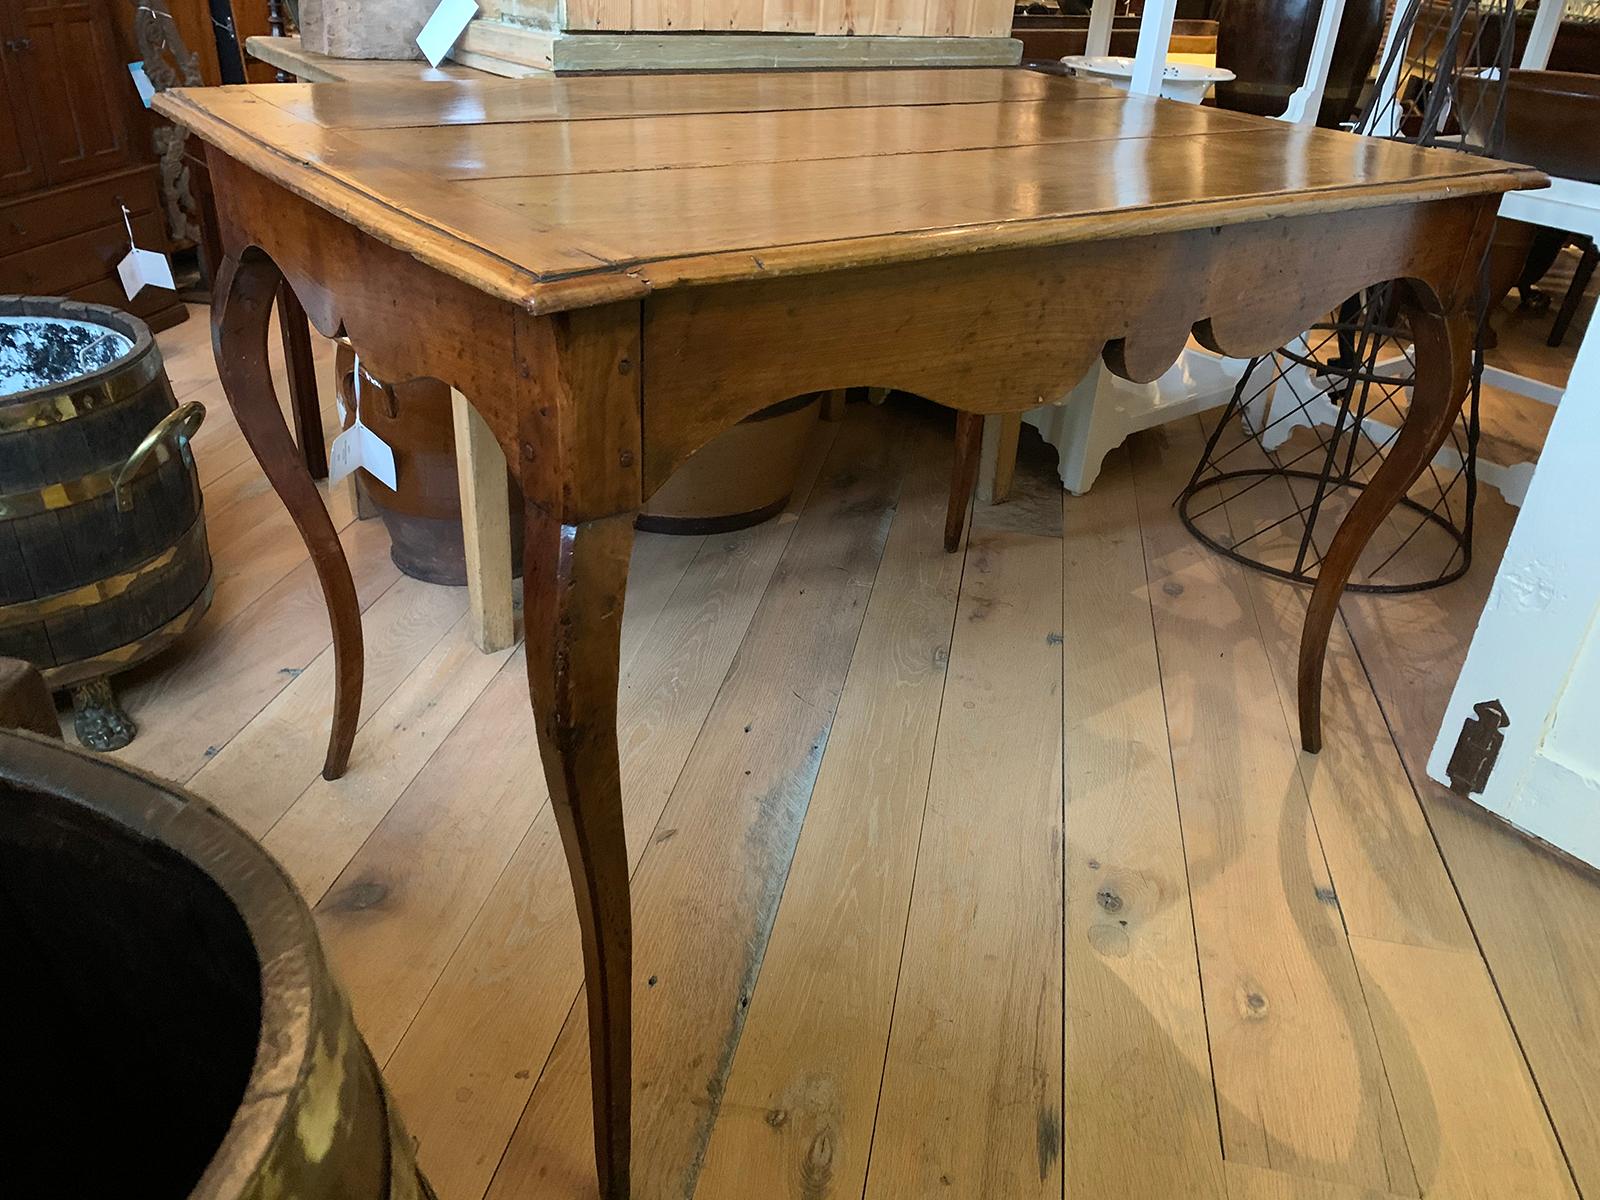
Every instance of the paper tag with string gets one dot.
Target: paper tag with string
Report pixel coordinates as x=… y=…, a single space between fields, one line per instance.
x=444 y=29
x=358 y=446
x=141 y=268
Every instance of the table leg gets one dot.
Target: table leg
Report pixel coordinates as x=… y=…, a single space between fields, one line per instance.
x=302 y=368
x=485 y=527
x=241 y=313
x=997 y=461
x=963 y=474
x=574 y=578
x=1443 y=344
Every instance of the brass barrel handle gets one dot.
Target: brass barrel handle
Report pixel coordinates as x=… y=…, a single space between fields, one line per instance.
x=177 y=427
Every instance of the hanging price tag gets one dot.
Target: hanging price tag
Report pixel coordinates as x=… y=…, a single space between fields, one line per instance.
x=358 y=446
x=446 y=25
x=141 y=268
x=141 y=83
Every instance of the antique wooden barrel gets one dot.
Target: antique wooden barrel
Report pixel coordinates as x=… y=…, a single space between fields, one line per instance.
x=103 y=555
x=1267 y=44
x=1552 y=121
x=1047 y=38
x=742 y=477
x=423 y=513
x=174 y=1030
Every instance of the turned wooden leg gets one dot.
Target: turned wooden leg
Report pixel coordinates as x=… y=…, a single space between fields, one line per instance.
x=997 y=460
x=1443 y=344
x=485 y=527
x=1575 y=293
x=574 y=579
x=241 y=312
x=969 y=439
x=302 y=370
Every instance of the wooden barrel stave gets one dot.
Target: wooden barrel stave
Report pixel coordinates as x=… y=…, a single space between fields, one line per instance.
x=64 y=548
x=86 y=586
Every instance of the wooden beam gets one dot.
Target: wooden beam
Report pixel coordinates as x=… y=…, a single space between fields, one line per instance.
x=515 y=51
x=485 y=526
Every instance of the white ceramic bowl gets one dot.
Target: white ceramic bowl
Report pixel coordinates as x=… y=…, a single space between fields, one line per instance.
x=1179 y=81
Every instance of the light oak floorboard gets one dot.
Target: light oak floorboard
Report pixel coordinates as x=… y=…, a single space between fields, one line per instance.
x=468 y=1062
x=978 y=1011
x=803 y=1092
x=1389 y=998
x=1298 y=1072
x=708 y=885
x=1138 y=1067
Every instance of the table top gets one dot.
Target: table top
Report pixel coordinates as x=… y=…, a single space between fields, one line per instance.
x=563 y=192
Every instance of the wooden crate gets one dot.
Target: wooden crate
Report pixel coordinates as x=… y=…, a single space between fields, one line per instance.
x=518 y=37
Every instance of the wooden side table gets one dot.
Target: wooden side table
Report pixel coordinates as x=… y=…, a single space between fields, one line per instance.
x=612 y=270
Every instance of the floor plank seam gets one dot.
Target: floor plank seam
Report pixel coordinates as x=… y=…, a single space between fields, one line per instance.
x=221 y=634
x=831 y=434
x=1289 y=712
x=376 y=708
x=1477 y=940
x=1172 y=766
x=697 y=1163
x=916 y=861
x=490 y=1177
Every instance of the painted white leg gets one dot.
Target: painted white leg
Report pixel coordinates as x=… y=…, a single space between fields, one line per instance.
x=1098 y=415
x=997 y=457
x=486 y=526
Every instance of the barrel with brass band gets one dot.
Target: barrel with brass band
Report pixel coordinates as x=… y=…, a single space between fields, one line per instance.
x=177 y=1030
x=103 y=553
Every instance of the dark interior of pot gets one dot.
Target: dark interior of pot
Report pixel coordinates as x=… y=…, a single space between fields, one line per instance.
x=131 y=1006
x=40 y=351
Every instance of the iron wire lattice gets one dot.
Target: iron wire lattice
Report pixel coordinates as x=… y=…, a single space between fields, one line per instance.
x=1309 y=423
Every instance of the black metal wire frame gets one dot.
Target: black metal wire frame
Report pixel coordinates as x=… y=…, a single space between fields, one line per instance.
x=1343 y=467
x=1427 y=108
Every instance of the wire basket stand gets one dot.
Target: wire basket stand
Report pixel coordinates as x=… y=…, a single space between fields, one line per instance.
x=1309 y=423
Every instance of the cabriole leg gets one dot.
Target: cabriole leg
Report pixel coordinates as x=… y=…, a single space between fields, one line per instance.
x=240 y=316
x=1443 y=343
x=574 y=580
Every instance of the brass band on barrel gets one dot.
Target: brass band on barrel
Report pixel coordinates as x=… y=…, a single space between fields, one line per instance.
x=68 y=405
x=74 y=491
x=26 y=612
x=122 y=657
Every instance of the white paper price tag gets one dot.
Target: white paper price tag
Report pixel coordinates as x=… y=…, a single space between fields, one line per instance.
x=356 y=447
x=444 y=27
x=140 y=268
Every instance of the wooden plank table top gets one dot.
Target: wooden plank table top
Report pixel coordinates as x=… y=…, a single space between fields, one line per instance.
x=559 y=192
x=611 y=270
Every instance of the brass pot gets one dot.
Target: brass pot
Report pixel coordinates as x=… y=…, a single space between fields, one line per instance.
x=177 y=1031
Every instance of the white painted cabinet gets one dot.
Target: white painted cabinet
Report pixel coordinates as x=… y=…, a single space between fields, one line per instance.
x=1522 y=734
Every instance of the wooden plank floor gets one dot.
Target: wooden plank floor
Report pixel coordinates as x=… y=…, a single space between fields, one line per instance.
x=989 y=875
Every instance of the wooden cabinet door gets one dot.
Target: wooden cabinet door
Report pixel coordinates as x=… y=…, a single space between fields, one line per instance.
x=21 y=165
x=60 y=57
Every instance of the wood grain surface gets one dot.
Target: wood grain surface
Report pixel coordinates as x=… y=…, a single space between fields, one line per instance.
x=536 y=184
x=452 y=924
